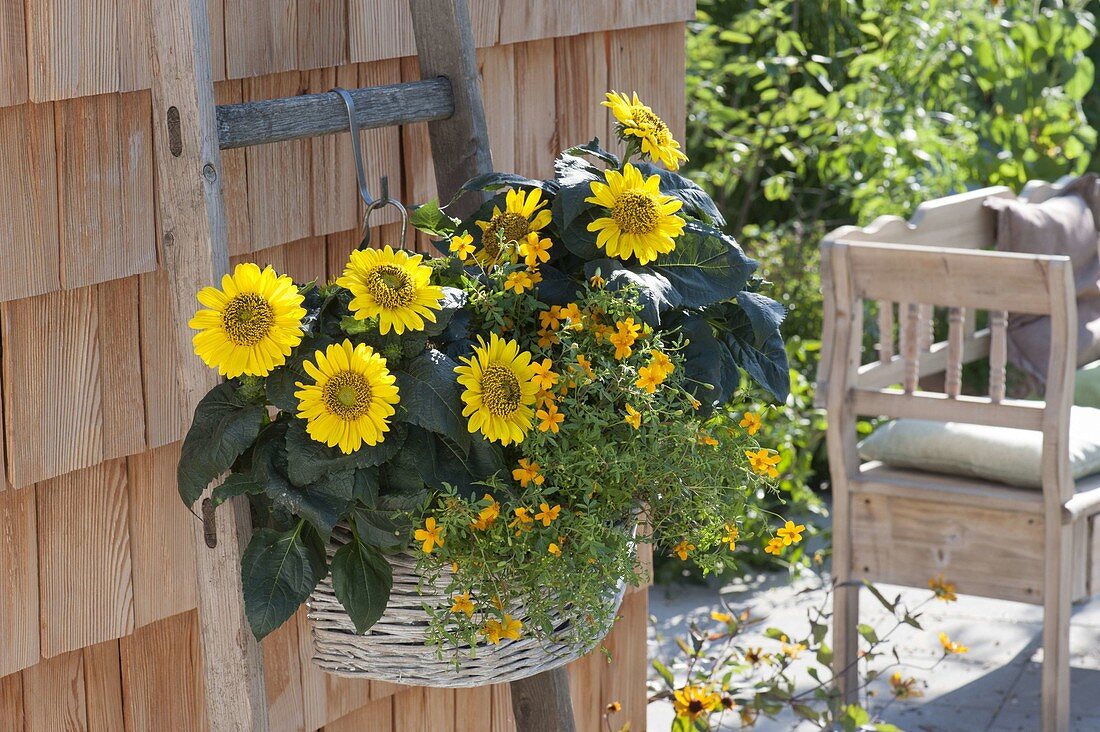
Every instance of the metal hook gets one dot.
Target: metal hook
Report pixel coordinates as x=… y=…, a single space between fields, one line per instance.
x=382 y=202
x=353 y=127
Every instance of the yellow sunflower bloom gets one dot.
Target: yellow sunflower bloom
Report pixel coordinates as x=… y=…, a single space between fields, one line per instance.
x=638 y=120
x=499 y=390
x=351 y=399
x=523 y=213
x=392 y=285
x=695 y=701
x=641 y=221
x=250 y=325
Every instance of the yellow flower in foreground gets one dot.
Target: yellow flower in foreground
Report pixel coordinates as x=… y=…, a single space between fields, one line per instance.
x=550 y=319
x=751 y=422
x=695 y=701
x=392 y=285
x=660 y=362
x=463 y=604
x=648 y=379
x=904 y=688
x=585 y=364
x=431 y=535
x=731 y=536
x=554 y=549
x=791 y=533
x=528 y=472
x=638 y=120
x=641 y=221
x=683 y=549
x=351 y=399
x=763 y=462
x=495 y=631
x=462 y=245
x=721 y=617
x=522 y=521
x=545 y=378
x=250 y=325
x=499 y=390
x=519 y=281
x=487 y=516
x=550 y=419
x=708 y=440
x=522 y=214
x=535 y=250
x=950 y=646
x=572 y=313
x=547 y=514
x=775 y=546
x=633 y=417
x=943 y=589
x=597 y=281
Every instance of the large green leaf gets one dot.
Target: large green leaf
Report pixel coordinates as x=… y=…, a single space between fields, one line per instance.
x=309 y=460
x=362 y=580
x=711 y=372
x=696 y=201
x=431 y=396
x=281 y=383
x=750 y=330
x=224 y=426
x=278 y=571
x=496 y=181
x=706 y=266
x=430 y=219
x=439 y=462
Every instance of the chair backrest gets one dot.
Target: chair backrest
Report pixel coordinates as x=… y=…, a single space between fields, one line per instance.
x=865 y=277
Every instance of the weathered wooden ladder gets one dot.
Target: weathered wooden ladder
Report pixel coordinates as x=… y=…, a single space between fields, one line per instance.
x=189 y=132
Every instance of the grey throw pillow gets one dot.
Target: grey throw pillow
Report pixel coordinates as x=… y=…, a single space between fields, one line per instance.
x=1066 y=225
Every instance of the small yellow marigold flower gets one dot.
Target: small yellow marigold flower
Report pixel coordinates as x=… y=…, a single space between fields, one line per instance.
x=463 y=604
x=707 y=440
x=488 y=515
x=904 y=688
x=554 y=549
x=522 y=522
x=548 y=338
x=572 y=313
x=551 y=319
x=545 y=378
x=528 y=472
x=536 y=276
x=775 y=546
x=535 y=250
x=462 y=246
x=695 y=403
x=495 y=631
x=693 y=702
x=633 y=417
x=648 y=378
x=431 y=535
x=943 y=589
x=763 y=462
x=791 y=533
x=792 y=651
x=731 y=536
x=950 y=646
x=586 y=365
x=614 y=707
x=597 y=281
x=721 y=617
x=751 y=422
x=547 y=514
x=519 y=281
x=683 y=549
x=661 y=363
x=550 y=419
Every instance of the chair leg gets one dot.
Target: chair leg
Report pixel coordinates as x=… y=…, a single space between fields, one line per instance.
x=846 y=641
x=1057 y=599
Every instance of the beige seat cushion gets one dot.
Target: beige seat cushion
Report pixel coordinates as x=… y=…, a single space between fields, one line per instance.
x=999 y=454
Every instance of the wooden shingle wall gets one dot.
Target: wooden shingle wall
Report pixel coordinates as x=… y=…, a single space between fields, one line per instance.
x=97 y=592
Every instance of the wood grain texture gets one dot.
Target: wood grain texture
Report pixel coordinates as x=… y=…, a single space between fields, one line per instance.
x=279 y=204
x=325 y=697
x=381 y=146
x=584 y=688
x=215 y=25
x=630 y=68
x=283 y=677
x=623 y=680
x=235 y=178
x=497 y=67
x=322 y=33
x=542 y=703
x=163 y=564
x=11 y=703
x=165 y=419
x=13 y=53
x=379 y=29
x=73 y=48
x=19 y=578
x=85 y=587
x=123 y=402
x=417 y=708
x=418 y=181
x=338 y=248
x=473 y=708
x=581 y=81
x=332 y=162
x=161 y=676
x=528 y=20
x=304 y=260
x=261 y=37
x=103 y=687
x=29 y=243
x=134 y=55
x=105 y=167
x=61 y=331
x=376 y=715
x=54 y=695
x=503 y=719
x=536 y=109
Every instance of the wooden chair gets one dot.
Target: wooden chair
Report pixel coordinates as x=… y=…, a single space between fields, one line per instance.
x=905 y=526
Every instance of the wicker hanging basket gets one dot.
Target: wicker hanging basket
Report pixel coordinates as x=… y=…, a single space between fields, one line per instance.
x=395 y=648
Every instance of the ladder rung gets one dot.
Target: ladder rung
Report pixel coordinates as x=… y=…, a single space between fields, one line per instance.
x=312 y=115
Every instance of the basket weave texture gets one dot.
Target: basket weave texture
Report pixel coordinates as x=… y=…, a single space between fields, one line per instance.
x=395 y=648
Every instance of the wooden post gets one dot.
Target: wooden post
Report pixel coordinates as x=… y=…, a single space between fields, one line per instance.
x=460 y=150
x=193 y=235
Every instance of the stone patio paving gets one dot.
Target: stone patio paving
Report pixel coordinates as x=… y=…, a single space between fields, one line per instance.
x=993 y=688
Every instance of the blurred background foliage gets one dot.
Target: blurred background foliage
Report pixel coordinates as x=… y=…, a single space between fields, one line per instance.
x=807 y=114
